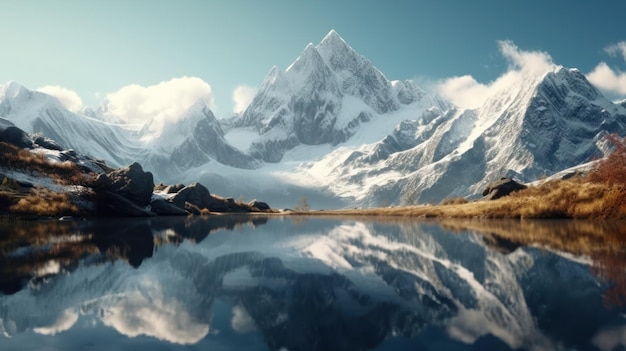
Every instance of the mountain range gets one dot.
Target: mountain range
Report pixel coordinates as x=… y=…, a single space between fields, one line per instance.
x=332 y=128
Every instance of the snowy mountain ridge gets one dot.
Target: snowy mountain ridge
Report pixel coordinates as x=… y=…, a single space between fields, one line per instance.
x=331 y=126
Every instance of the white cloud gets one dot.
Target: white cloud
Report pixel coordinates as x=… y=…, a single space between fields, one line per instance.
x=617 y=49
x=242 y=97
x=607 y=79
x=158 y=317
x=68 y=98
x=242 y=322
x=163 y=102
x=64 y=322
x=532 y=62
x=466 y=92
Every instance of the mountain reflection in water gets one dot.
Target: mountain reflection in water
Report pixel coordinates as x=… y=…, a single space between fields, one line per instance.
x=232 y=282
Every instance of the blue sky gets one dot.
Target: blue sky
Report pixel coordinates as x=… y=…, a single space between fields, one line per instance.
x=96 y=48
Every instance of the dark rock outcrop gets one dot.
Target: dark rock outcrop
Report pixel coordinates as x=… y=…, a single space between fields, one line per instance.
x=196 y=194
x=260 y=205
x=11 y=134
x=125 y=191
x=162 y=207
x=46 y=142
x=172 y=189
x=131 y=182
x=116 y=204
x=500 y=188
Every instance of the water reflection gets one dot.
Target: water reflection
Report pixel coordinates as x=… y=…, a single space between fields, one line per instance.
x=40 y=249
x=318 y=284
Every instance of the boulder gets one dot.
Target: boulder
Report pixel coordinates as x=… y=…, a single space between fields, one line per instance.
x=46 y=142
x=502 y=187
x=260 y=205
x=163 y=207
x=172 y=189
x=119 y=205
x=196 y=194
x=192 y=209
x=11 y=134
x=132 y=183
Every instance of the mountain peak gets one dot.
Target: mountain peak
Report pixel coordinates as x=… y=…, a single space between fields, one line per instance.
x=568 y=79
x=308 y=62
x=11 y=89
x=333 y=39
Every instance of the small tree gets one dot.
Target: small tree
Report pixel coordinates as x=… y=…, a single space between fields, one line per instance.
x=303 y=206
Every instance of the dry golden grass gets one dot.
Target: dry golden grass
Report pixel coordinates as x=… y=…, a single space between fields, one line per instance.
x=44 y=202
x=13 y=157
x=454 y=201
x=574 y=198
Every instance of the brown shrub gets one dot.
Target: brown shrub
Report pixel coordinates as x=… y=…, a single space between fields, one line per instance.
x=454 y=201
x=44 y=202
x=611 y=169
x=13 y=157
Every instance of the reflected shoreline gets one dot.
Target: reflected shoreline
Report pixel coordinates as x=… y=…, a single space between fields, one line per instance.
x=40 y=249
x=314 y=283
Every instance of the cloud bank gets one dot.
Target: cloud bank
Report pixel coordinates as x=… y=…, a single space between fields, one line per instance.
x=164 y=102
x=607 y=79
x=466 y=92
x=617 y=49
x=68 y=98
x=242 y=97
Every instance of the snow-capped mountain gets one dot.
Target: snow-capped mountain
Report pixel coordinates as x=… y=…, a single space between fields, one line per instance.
x=323 y=97
x=194 y=141
x=550 y=122
x=333 y=126
x=165 y=147
x=36 y=112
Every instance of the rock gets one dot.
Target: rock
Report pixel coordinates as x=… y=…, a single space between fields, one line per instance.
x=163 y=207
x=132 y=183
x=196 y=194
x=117 y=204
x=192 y=209
x=500 y=188
x=260 y=205
x=11 y=134
x=46 y=142
x=172 y=189
x=68 y=155
x=102 y=182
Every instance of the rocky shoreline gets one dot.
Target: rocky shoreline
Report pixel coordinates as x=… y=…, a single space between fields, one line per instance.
x=41 y=178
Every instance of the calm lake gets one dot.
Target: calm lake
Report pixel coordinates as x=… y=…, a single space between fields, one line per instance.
x=294 y=283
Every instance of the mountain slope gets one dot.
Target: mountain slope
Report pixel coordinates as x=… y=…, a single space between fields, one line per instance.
x=167 y=148
x=548 y=123
x=35 y=112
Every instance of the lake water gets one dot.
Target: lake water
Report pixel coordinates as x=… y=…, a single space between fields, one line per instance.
x=294 y=283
